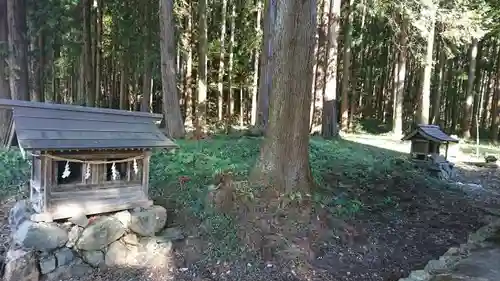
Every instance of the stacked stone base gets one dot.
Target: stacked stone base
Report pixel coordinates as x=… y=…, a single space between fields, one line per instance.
x=77 y=246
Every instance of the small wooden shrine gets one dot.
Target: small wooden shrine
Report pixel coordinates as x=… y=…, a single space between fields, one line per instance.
x=85 y=160
x=426 y=141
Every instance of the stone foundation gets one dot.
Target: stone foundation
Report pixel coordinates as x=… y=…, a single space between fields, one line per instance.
x=75 y=247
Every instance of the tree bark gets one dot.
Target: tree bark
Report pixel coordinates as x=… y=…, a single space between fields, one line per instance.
x=188 y=87
x=230 y=70
x=99 y=52
x=18 y=49
x=346 y=69
x=495 y=104
x=220 y=74
x=255 y=82
x=88 y=76
x=436 y=103
x=399 y=86
x=201 y=106
x=284 y=157
x=423 y=116
x=466 y=120
x=266 y=65
x=171 y=107
x=329 y=126
x=4 y=84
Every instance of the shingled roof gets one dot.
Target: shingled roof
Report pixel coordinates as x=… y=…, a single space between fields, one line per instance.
x=430 y=132
x=44 y=126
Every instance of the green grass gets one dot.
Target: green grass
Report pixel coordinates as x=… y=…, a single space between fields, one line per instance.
x=14 y=173
x=182 y=178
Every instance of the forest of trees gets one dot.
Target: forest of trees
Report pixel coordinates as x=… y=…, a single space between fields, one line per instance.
x=215 y=63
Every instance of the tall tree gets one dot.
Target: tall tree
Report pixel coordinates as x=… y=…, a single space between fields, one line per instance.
x=469 y=101
x=88 y=88
x=201 y=106
x=346 y=69
x=171 y=107
x=397 y=128
x=266 y=64
x=255 y=81
x=4 y=84
x=424 y=104
x=4 y=50
x=220 y=78
x=329 y=126
x=284 y=158
x=18 y=49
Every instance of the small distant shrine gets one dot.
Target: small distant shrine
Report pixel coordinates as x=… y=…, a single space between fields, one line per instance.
x=85 y=160
x=426 y=141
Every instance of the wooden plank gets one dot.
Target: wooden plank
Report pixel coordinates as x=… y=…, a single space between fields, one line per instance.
x=34 y=123
x=11 y=133
x=145 y=173
x=62 y=144
x=96 y=186
x=48 y=180
x=62 y=114
x=97 y=207
x=98 y=154
x=35 y=185
x=104 y=193
x=8 y=103
x=87 y=134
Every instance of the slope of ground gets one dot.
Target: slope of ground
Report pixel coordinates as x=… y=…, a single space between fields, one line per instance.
x=384 y=217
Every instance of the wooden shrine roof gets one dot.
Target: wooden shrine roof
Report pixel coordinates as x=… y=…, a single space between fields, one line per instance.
x=431 y=133
x=45 y=126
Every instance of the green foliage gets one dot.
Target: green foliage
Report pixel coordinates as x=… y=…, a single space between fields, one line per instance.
x=14 y=172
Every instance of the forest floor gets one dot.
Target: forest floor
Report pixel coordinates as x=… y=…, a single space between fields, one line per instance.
x=389 y=218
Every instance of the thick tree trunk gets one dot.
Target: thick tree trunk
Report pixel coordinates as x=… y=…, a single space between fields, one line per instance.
x=320 y=65
x=399 y=86
x=188 y=87
x=230 y=70
x=423 y=116
x=18 y=49
x=436 y=103
x=99 y=52
x=346 y=69
x=495 y=104
x=39 y=69
x=4 y=84
x=90 y=97
x=266 y=65
x=201 y=106
x=146 y=84
x=329 y=127
x=171 y=107
x=255 y=81
x=466 y=120
x=220 y=74
x=284 y=158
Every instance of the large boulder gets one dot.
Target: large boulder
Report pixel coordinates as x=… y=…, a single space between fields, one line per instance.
x=122 y=254
x=148 y=221
x=145 y=252
x=94 y=258
x=21 y=264
x=40 y=236
x=100 y=233
x=19 y=213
